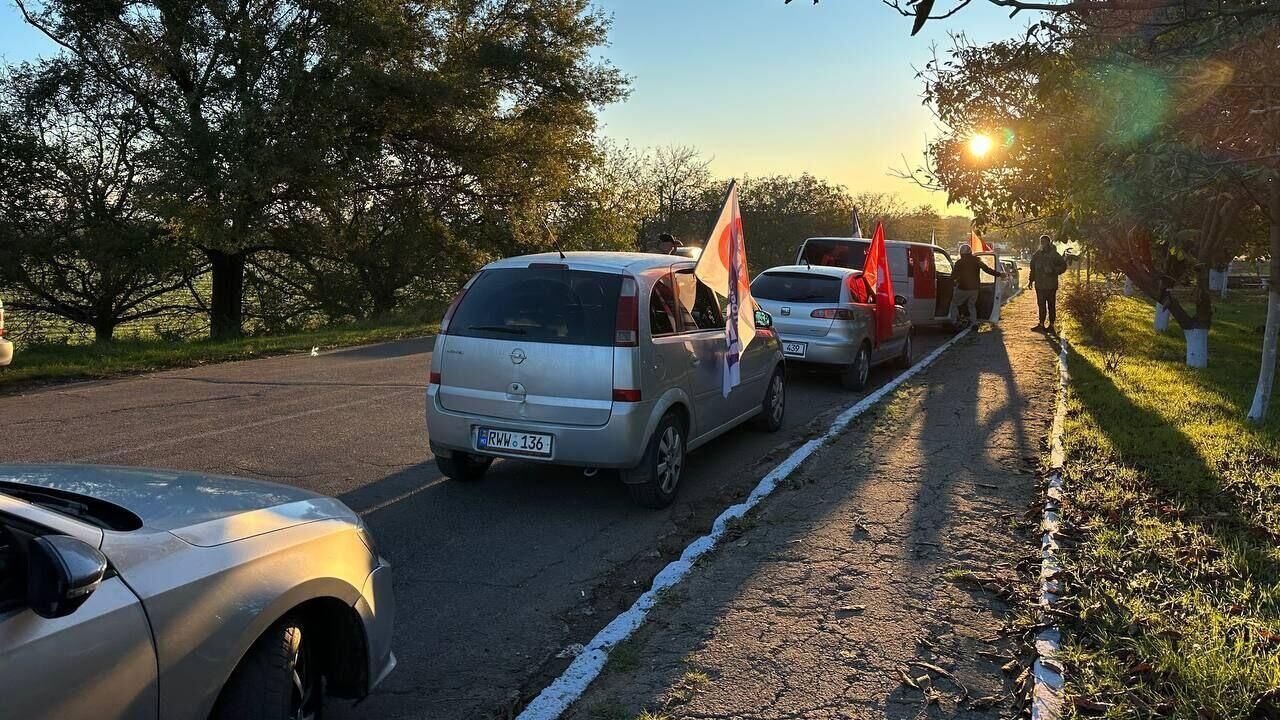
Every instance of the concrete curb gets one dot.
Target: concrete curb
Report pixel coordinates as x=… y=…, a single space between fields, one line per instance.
x=586 y=667
x=1046 y=694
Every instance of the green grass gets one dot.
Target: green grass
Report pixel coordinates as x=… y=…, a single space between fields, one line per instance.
x=1175 y=575
x=66 y=361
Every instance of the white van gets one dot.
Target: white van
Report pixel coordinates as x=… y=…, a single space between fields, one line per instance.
x=921 y=272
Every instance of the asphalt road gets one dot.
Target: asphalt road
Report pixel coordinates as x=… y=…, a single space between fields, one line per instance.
x=493 y=579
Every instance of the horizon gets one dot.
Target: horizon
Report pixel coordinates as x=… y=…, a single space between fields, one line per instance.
x=681 y=93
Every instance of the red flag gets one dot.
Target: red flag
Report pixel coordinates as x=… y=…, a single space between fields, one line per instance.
x=978 y=244
x=876 y=271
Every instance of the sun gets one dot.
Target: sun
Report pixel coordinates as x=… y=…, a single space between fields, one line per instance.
x=980 y=144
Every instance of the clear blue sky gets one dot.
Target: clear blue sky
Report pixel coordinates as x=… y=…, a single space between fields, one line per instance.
x=761 y=86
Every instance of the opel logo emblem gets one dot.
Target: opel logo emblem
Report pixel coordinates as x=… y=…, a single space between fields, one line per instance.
x=518 y=356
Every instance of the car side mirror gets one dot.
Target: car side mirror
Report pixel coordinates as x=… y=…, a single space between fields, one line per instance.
x=763 y=319
x=899 y=300
x=62 y=572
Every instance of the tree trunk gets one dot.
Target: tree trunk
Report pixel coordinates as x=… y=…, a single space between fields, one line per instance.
x=1267 y=371
x=104 y=329
x=1217 y=280
x=1197 y=347
x=226 y=306
x=1128 y=286
x=1162 y=318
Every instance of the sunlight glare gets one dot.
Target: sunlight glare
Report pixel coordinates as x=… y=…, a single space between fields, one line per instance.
x=980 y=144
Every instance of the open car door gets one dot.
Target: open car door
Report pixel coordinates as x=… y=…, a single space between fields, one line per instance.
x=990 y=289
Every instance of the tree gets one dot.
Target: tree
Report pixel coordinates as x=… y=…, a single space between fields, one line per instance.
x=74 y=239
x=262 y=112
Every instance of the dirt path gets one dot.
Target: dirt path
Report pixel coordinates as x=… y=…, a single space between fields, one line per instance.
x=889 y=548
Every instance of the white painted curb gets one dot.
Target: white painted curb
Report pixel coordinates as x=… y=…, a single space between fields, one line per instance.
x=586 y=667
x=1046 y=694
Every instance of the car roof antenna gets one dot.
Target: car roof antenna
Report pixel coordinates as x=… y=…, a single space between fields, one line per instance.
x=555 y=241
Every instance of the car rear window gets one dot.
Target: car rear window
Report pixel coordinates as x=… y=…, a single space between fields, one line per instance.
x=797 y=287
x=836 y=253
x=549 y=303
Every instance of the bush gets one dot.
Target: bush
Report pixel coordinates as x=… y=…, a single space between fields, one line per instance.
x=1087 y=302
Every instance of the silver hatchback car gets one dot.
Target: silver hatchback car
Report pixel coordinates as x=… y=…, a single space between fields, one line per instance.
x=820 y=322
x=593 y=360
x=154 y=595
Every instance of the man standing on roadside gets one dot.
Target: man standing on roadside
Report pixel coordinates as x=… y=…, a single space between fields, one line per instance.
x=1046 y=266
x=966 y=277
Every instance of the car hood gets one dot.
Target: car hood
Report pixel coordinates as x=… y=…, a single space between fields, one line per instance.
x=201 y=509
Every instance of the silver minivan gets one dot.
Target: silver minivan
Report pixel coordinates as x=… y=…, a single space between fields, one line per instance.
x=592 y=360
x=819 y=321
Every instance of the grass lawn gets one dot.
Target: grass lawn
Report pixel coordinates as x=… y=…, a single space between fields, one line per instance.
x=59 y=362
x=1173 y=562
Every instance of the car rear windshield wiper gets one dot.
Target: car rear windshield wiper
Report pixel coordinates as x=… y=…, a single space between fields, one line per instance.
x=498 y=328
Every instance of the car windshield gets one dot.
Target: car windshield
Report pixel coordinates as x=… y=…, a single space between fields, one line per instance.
x=540 y=303
x=797 y=287
x=835 y=253
x=98 y=513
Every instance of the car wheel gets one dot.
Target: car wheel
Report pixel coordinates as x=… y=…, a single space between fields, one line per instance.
x=653 y=483
x=904 y=360
x=855 y=376
x=278 y=679
x=774 y=405
x=464 y=467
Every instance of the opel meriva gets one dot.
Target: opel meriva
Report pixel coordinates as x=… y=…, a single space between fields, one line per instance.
x=592 y=360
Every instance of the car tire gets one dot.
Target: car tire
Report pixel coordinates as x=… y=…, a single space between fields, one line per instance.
x=904 y=359
x=464 y=467
x=774 y=406
x=654 y=482
x=279 y=679
x=855 y=376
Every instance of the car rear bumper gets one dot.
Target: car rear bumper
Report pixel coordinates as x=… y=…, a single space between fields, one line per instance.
x=619 y=443
x=377 y=609
x=829 y=350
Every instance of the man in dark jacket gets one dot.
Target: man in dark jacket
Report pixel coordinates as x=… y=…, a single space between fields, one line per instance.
x=965 y=272
x=1046 y=266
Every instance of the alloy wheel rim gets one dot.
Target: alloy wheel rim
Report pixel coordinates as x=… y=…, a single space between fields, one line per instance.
x=777 y=400
x=303 y=702
x=670 y=459
x=863 y=366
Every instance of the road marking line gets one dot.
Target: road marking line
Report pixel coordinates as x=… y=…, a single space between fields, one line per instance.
x=246 y=426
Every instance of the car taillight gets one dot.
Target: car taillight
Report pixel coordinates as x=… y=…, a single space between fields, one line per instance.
x=435 y=378
x=832 y=314
x=626 y=324
x=620 y=395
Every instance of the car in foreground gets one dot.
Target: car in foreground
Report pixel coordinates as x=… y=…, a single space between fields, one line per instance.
x=592 y=360
x=130 y=593
x=819 y=320
x=6 y=347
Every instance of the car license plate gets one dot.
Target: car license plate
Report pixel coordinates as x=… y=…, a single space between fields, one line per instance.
x=509 y=441
x=794 y=349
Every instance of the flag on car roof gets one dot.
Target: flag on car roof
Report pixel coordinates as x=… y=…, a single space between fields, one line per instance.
x=857 y=226
x=723 y=267
x=876 y=270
